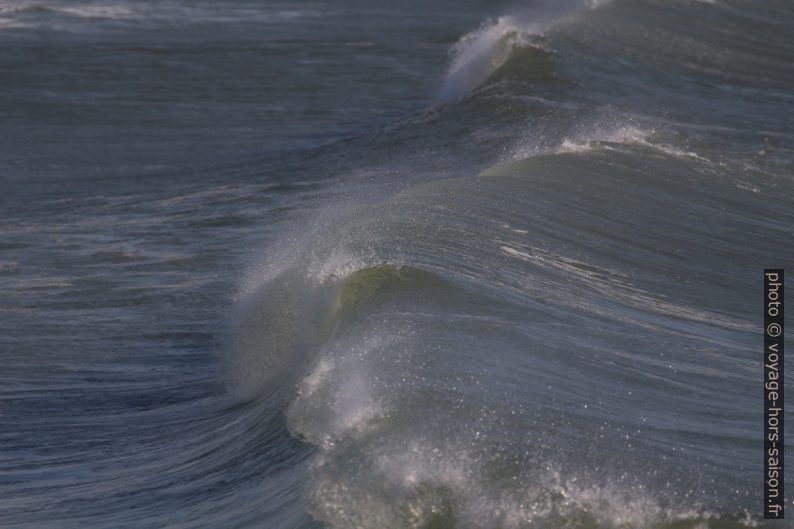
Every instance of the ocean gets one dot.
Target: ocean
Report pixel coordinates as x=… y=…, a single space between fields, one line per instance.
x=367 y=264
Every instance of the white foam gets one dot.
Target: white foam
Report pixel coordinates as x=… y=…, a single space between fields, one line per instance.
x=337 y=399
x=479 y=53
x=96 y=11
x=419 y=481
x=24 y=13
x=626 y=134
x=601 y=137
x=83 y=10
x=316 y=377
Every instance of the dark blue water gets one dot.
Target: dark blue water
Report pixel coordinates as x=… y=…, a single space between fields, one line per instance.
x=365 y=265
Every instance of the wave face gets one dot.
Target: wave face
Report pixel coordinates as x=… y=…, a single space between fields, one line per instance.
x=533 y=304
x=548 y=341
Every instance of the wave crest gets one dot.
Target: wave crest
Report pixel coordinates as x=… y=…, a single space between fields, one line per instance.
x=478 y=54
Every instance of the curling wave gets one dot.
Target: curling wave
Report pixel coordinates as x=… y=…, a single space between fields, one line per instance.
x=542 y=336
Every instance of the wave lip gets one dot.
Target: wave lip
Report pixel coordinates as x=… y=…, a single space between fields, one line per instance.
x=478 y=54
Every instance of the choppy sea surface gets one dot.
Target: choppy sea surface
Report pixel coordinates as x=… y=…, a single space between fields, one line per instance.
x=369 y=264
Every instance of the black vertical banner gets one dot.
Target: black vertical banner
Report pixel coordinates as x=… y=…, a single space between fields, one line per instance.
x=774 y=499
